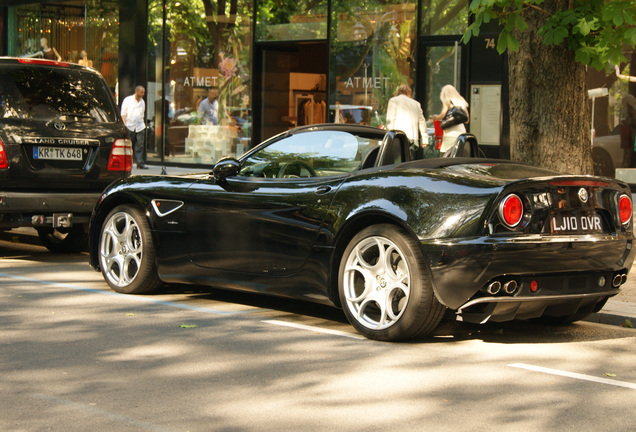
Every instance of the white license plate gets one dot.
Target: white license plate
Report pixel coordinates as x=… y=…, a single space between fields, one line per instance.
x=57 y=153
x=582 y=224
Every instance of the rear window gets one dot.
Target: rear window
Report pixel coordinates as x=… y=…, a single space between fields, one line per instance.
x=54 y=93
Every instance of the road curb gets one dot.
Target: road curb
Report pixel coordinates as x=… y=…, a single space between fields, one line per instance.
x=610 y=319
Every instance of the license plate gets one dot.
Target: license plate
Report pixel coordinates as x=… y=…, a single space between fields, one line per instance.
x=57 y=153
x=576 y=224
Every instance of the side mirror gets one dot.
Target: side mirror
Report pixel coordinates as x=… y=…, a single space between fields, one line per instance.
x=226 y=167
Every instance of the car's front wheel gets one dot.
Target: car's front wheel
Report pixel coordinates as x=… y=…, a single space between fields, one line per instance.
x=384 y=289
x=126 y=252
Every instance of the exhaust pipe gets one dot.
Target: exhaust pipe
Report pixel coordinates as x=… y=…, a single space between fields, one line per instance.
x=623 y=278
x=493 y=288
x=510 y=287
x=616 y=282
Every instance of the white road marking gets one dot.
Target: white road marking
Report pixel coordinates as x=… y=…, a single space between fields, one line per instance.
x=574 y=375
x=314 y=329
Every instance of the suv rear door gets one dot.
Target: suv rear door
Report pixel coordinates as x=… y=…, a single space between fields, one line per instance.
x=58 y=123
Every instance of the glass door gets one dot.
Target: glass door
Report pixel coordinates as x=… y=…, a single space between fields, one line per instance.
x=440 y=63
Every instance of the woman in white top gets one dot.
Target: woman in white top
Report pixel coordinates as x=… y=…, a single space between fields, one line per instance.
x=451 y=97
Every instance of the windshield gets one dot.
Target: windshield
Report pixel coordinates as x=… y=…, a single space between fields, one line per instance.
x=52 y=93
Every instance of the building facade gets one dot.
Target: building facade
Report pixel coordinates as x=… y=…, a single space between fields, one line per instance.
x=223 y=75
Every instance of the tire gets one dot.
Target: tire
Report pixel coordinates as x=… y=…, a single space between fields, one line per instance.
x=400 y=282
x=126 y=252
x=71 y=240
x=603 y=165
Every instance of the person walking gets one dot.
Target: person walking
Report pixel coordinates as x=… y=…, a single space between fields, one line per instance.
x=450 y=97
x=405 y=113
x=133 y=110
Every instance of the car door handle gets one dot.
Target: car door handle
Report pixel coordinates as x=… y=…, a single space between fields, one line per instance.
x=322 y=190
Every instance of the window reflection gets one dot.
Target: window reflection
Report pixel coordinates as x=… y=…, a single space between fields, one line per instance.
x=312 y=154
x=207 y=59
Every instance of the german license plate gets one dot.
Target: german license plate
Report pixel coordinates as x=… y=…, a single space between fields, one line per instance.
x=576 y=224
x=57 y=153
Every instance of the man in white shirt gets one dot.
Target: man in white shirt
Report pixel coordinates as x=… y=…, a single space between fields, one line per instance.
x=209 y=108
x=405 y=113
x=133 y=110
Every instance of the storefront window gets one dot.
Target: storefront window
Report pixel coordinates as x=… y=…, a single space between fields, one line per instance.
x=372 y=52
x=84 y=32
x=291 y=20
x=612 y=103
x=206 y=113
x=442 y=17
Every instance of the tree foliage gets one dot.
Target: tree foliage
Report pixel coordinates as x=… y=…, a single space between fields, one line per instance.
x=596 y=31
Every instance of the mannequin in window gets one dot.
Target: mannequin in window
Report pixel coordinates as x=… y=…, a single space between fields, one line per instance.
x=46 y=52
x=83 y=60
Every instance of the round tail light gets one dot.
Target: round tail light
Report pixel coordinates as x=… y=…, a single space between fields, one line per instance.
x=511 y=210
x=625 y=209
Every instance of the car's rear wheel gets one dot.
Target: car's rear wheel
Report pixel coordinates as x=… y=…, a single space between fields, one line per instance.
x=66 y=240
x=126 y=252
x=384 y=289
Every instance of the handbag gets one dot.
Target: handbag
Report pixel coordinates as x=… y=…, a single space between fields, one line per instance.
x=454 y=116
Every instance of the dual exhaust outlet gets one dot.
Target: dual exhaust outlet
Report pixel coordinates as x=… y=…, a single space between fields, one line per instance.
x=619 y=280
x=507 y=287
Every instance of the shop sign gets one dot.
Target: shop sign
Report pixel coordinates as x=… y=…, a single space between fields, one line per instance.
x=202 y=77
x=366 y=83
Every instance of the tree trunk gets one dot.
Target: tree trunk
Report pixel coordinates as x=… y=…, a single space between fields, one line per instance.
x=549 y=115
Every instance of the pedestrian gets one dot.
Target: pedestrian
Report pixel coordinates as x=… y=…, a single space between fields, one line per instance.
x=133 y=110
x=628 y=129
x=405 y=113
x=209 y=108
x=450 y=98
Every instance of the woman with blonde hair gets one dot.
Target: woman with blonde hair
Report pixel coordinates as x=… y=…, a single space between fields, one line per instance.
x=450 y=97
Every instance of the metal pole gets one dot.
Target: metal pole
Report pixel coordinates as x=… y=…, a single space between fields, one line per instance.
x=164 y=39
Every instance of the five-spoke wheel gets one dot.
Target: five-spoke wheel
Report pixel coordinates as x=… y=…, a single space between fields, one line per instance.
x=126 y=253
x=384 y=289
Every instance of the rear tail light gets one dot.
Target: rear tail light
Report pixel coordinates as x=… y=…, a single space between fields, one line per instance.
x=625 y=209
x=511 y=211
x=121 y=156
x=42 y=62
x=4 y=162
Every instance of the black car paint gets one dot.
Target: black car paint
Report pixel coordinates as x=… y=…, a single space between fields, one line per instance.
x=283 y=237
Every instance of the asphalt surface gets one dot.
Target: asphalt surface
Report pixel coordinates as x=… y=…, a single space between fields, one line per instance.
x=75 y=356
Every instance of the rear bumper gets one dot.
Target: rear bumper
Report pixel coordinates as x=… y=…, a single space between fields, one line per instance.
x=565 y=271
x=19 y=208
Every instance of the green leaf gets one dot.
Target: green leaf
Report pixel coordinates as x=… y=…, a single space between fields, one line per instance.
x=513 y=43
x=502 y=42
x=610 y=375
x=188 y=326
x=618 y=20
x=520 y=23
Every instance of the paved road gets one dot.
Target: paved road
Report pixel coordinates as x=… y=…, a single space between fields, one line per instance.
x=74 y=356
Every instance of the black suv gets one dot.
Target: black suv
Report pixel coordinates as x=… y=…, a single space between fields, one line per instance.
x=62 y=141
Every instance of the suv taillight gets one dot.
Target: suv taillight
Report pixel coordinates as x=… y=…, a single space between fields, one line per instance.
x=121 y=158
x=4 y=162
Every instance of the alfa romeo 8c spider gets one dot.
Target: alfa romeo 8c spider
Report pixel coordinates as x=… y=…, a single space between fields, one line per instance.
x=341 y=215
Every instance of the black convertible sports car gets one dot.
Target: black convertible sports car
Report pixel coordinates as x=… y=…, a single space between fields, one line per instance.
x=339 y=214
